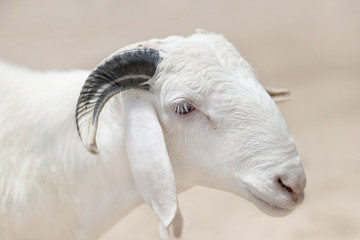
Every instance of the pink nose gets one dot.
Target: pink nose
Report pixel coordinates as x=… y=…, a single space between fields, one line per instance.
x=295 y=185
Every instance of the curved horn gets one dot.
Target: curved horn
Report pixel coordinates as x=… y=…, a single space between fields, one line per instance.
x=121 y=71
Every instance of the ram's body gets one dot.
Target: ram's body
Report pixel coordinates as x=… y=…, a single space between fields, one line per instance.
x=50 y=186
x=195 y=115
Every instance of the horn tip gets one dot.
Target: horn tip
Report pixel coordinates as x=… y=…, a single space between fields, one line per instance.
x=92 y=148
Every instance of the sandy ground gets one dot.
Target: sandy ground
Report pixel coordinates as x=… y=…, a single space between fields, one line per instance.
x=310 y=47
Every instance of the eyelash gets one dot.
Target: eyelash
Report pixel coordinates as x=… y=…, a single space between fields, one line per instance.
x=183 y=108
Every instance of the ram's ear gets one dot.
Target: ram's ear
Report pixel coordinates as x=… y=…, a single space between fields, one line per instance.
x=278 y=94
x=149 y=160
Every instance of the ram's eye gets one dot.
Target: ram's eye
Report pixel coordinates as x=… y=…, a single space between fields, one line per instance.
x=183 y=108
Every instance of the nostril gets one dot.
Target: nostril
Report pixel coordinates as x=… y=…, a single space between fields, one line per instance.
x=289 y=189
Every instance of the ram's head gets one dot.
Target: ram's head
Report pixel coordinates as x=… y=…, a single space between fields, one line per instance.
x=196 y=115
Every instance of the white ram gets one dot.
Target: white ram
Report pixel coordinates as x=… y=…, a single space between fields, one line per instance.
x=195 y=115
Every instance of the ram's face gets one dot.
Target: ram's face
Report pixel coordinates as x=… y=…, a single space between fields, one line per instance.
x=221 y=128
x=224 y=131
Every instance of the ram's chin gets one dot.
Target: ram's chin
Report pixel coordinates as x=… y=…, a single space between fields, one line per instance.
x=270 y=208
x=273 y=210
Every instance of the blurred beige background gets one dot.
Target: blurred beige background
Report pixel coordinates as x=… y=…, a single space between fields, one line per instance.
x=311 y=47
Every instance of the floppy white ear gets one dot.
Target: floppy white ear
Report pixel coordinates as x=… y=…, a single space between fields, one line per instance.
x=278 y=94
x=149 y=160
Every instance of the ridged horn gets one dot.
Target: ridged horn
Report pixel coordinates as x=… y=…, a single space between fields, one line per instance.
x=130 y=69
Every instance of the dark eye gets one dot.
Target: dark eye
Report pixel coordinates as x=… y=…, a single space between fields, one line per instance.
x=183 y=108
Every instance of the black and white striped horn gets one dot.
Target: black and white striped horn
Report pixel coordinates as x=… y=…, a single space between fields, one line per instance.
x=124 y=70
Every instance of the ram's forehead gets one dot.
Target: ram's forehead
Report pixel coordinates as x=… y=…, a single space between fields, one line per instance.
x=211 y=49
x=203 y=61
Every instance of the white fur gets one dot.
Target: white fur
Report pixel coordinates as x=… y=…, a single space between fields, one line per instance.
x=236 y=140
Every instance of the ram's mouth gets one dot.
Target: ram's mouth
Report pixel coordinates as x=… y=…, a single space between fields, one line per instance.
x=270 y=208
